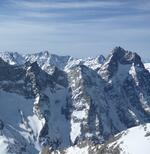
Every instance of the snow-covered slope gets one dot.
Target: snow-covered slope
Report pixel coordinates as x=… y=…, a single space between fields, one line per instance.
x=147 y=66
x=13 y=58
x=60 y=102
x=93 y=63
x=47 y=61
x=135 y=140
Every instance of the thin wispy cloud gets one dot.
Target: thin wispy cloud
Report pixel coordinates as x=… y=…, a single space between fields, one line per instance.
x=43 y=15
x=65 y=4
x=75 y=26
x=75 y=11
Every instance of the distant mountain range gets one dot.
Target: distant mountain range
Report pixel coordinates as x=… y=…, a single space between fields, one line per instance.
x=60 y=104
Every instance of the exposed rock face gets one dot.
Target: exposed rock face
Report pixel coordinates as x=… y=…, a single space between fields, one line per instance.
x=58 y=102
x=118 y=57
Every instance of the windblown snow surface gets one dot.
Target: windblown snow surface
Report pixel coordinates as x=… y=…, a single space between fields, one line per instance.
x=135 y=140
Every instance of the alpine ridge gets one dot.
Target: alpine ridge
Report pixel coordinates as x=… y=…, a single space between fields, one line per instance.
x=59 y=104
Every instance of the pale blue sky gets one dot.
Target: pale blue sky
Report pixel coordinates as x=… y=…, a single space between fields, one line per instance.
x=80 y=28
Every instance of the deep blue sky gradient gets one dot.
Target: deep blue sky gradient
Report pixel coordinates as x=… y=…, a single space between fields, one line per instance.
x=80 y=28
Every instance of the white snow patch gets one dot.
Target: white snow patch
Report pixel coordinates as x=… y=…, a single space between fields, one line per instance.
x=80 y=114
x=3 y=145
x=77 y=150
x=147 y=66
x=135 y=140
x=132 y=72
x=75 y=130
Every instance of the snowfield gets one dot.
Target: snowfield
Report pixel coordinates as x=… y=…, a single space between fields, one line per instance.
x=135 y=140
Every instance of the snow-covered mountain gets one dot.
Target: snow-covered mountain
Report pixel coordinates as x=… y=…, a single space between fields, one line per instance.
x=13 y=58
x=59 y=102
x=135 y=140
x=47 y=61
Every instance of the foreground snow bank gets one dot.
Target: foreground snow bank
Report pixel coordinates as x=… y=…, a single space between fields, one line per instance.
x=135 y=140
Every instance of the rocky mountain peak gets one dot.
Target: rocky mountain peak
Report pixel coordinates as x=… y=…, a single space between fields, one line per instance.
x=46 y=53
x=125 y=57
x=101 y=59
x=119 y=51
x=13 y=58
x=118 y=60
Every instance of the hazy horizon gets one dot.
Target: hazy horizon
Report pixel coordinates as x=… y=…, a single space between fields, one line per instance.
x=74 y=27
